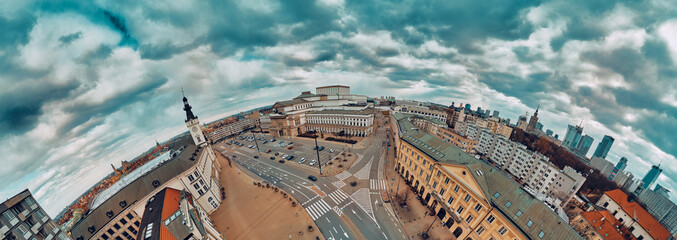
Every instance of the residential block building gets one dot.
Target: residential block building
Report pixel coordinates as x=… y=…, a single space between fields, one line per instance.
x=530 y=168
x=472 y=199
x=23 y=219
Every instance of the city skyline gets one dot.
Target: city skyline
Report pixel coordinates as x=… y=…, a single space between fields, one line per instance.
x=112 y=85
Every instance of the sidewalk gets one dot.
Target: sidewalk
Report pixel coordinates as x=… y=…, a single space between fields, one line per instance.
x=251 y=211
x=413 y=216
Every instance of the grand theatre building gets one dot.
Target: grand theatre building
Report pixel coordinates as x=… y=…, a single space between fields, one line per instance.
x=332 y=109
x=471 y=198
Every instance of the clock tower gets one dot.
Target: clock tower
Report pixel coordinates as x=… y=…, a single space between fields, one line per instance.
x=193 y=124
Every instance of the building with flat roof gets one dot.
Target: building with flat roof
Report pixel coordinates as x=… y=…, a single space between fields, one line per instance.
x=660 y=207
x=332 y=110
x=23 y=219
x=584 y=145
x=471 y=198
x=603 y=147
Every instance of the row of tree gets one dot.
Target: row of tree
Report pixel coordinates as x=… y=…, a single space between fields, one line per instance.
x=595 y=184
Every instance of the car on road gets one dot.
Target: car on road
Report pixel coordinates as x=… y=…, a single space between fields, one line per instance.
x=264 y=142
x=290 y=157
x=302 y=160
x=290 y=147
x=321 y=148
x=312 y=178
x=272 y=158
x=281 y=142
x=281 y=161
x=273 y=140
x=313 y=162
x=285 y=156
x=256 y=156
x=290 y=143
x=234 y=156
x=331 y=150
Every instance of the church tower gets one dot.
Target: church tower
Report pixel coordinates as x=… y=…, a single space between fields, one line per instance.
x=533 y=121
x=193 y=124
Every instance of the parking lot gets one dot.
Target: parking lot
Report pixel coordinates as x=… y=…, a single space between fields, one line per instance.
x=303 y=153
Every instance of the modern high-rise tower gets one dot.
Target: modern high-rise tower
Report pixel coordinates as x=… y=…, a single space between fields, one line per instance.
x=620 y=166
x=584 y=145
x=651 y=176
x=572 y=136
x=603 y=147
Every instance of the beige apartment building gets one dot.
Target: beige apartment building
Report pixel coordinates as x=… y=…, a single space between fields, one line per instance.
x=23 y=218
x=473 y=199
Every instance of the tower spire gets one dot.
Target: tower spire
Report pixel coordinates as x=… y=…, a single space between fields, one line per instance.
x=187 y=108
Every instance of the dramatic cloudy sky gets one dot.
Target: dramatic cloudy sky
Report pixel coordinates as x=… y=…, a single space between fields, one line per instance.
x=85 y=84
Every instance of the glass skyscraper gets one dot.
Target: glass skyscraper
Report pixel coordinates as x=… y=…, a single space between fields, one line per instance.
x=572 y=136
x=603 y=147
x=651 y=176
x=584 y=145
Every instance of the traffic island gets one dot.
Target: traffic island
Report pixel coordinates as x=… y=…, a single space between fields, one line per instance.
x=254 y=209
x=340 y=163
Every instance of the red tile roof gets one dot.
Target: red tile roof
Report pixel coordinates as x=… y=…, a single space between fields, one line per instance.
x=604 y=223
x=169 y=207
x=648 y=222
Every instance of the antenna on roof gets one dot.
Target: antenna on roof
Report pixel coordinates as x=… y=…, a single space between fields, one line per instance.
x=184 y=95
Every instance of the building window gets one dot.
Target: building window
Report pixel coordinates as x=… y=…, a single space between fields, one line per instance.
x=8 y=215
x=197 y=174
x=200 y=192
x=434 y=185
x=451 y=199
x=491 y=219
x=466 y=198
x=541 y=234
x=502 y=230
x=478 y=207
x=130 y=216
x=459 y=210
x=439 y=173
x=456 y=188
x=191 y=178
x=519 y=213
x=441 y=192
x=196 y=186
x=22 y=229
x=468 y=219
x=480 y=230
x=110 y=231
x=446 y=180
x=529 y=223
x=117 y=226
x=123 y=221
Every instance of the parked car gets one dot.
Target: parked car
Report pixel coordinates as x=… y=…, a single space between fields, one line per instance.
x=273 y=140
x=272 y=158
x=290 y=157
x=312 y=178
x=234 y=156
x=264 y=142
x=302 y=160
x=285 y=156
x=281 y=161
x=315 y=148
x=268 y=151
x=277 y=153
x=256 y=156
x=290 y=143
x=281 y=142
x=331 y=150
x=313 y=162
x=321 y=148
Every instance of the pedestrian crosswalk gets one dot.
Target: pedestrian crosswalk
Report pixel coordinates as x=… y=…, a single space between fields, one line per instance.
x=338 y=196
x=343 y=175
x=317 y=209
x=339 y=184
x=377 y=184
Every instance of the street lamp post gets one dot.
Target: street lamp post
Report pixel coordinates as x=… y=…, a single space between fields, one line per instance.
x=317 y=150
x=257 y=143
x=431 y=225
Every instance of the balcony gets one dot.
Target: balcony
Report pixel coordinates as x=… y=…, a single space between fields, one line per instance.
x=36 y=228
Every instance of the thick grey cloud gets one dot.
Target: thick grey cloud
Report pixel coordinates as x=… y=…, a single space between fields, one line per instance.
x=85 y=84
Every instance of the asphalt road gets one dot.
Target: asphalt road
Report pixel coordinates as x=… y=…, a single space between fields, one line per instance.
x=327 y=200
